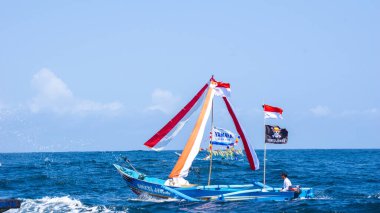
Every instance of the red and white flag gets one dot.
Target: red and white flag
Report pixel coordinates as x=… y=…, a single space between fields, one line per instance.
x=272 y=112
x=221 y=89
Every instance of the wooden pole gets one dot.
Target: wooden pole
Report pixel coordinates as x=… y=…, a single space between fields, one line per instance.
x=265 y=155
x=210 y=145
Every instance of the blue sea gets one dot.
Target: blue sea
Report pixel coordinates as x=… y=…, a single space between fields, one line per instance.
x=343 y=180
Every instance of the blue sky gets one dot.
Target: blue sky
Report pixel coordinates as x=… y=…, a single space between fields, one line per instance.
x=96 y=75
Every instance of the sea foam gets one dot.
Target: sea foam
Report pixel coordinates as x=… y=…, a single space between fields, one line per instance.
x=57 y=204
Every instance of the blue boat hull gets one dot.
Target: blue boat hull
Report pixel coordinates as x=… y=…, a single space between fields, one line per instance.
x=155 y=187
x=6 y=204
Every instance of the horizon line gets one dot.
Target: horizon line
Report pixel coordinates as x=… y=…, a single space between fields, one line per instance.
x=180 y=150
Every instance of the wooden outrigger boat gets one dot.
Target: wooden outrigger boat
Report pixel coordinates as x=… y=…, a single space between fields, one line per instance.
x=179 y=188
x=141 y=184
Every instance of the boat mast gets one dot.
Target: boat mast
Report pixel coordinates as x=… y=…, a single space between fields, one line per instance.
x=210 y=145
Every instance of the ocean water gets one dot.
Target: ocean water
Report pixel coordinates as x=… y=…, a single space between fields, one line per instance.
x=343 y=181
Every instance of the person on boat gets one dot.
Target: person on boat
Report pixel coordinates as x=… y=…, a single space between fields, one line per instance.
x=287 y=184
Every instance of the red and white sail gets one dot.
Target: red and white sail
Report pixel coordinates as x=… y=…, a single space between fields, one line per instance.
x=272 y=112
x=174 y=126
x=250 y=152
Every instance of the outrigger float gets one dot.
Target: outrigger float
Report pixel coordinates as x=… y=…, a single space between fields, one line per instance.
x=176 y=186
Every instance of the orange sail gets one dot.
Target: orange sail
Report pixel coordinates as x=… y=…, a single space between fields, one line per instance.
x=181 y=169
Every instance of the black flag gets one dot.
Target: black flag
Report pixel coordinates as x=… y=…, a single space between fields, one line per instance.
x=274 y=134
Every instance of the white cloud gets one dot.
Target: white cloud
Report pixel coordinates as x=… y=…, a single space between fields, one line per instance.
x=373 y=111
x=53 y=95
x=50 y=86
x=164 y=101
x=320 y=111
x=367 y=112
x=325 y=111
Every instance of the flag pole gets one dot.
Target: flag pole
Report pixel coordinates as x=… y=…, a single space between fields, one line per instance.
x=265 y=155
x=210 y=145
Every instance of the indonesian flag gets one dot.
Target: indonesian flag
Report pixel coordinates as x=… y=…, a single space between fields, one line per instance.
x=272 y=112
x=221 y=89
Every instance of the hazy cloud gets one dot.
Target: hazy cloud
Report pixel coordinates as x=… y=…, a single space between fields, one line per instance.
x=320 y=110
x=325 y=111
x=53 y=95
x=164 y=101
x=7 y=111
x=2 y=105
x=3 y=108
x=366 y=112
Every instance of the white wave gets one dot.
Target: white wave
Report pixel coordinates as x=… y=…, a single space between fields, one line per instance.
x=57 y=204
x=47 y=160
x=316 y=198
x=322 y=197
x=148 y=198
x=375 y=196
